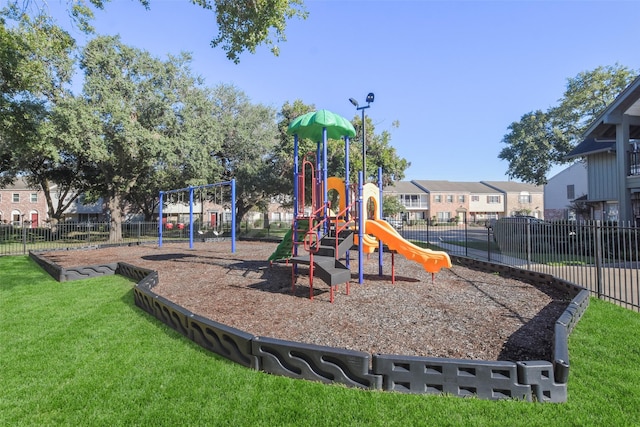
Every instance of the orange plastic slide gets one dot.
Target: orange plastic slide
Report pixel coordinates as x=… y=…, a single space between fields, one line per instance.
x=432 y=261
x=370 y=243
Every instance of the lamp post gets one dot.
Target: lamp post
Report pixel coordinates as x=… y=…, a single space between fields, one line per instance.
x=368 y=100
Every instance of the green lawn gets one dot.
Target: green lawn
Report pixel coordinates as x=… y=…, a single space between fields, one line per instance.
x=81 y=353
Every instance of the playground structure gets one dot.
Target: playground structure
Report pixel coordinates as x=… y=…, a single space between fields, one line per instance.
x=215 y=219
x=327 y=233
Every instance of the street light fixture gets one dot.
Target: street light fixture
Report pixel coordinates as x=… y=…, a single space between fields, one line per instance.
x=368 y=100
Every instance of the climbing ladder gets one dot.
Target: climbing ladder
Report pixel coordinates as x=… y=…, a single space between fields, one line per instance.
x=323 y=258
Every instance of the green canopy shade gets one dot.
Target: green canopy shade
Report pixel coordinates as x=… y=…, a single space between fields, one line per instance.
x=310 y=126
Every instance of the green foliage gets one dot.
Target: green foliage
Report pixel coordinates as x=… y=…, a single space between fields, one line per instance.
x=391 y=205
x=245 y=25
x=39 y=63
x=139 y=122
x=242 y=26
x=543 y=139
x=248 y=137
x=379 y=153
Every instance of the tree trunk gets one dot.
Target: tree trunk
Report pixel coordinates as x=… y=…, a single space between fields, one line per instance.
x=113 y=203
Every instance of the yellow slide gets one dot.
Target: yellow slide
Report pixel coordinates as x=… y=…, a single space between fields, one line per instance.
x=432 y=261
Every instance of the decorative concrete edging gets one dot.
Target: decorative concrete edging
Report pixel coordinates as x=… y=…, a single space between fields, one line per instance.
x=541 y=381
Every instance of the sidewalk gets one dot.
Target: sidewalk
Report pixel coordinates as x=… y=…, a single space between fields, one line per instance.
x=481 y=255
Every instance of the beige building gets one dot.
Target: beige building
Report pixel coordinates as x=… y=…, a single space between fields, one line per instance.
x=520 y=198
x=451 y=201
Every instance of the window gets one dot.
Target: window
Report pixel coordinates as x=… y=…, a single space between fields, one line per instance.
x=475 y=198
x=461 y=198
x=16 y=197
x=34 y=197
x=493 y=199
x=443 y=216
x=524 y=197
x=449 y=198
x=437 y=198
x=571 y=192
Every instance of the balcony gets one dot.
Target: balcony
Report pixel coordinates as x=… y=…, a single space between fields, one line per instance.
x=415 y=204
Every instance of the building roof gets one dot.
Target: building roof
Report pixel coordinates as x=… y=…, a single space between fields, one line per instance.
x=442 y=186
x=592 y=146
x=20 y=184
x=514 y=187
x=452 y=186
x=403 y=187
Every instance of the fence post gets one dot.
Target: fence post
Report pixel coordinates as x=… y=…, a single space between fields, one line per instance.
x=528 y=244
x=24 y=239
x=598 y=241
x=466 y=236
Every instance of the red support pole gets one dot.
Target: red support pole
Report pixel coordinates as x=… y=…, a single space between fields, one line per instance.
x=393 y=268
x=311 y=277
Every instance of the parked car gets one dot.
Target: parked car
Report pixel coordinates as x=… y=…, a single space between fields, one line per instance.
x=395 y=223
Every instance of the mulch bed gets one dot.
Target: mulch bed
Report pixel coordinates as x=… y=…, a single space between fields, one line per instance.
x=462 y=313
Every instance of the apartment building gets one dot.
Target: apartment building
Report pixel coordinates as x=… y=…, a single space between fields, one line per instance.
x=520 y=198
x=413 y=198
x=450 y=201
x=22 y=204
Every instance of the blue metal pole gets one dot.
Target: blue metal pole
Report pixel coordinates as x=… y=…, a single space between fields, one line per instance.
x=233 y=215
x=190 y=217
x=346 y=174
x=360 y=230
x=364 y=146
x=381 y=247
x=346 y=188
x=160 y=220
x=325 y=178
x=296 y=190
x=316 y=202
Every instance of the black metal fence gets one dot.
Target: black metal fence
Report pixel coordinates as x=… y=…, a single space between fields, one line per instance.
x=16 y=240
x=602 y=257
x=19 y=240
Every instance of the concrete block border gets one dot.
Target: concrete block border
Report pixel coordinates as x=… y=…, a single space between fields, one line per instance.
x=542 y=381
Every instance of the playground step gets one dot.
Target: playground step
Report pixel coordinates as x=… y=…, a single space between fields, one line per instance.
x=328 y=245
x=328 y=269
x=333 y=272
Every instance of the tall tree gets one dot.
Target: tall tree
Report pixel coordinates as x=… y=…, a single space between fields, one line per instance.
x=125 y=119
x=249 y=136
x=541 y=140
x=194 y=137
x=282 y=156
x=37 y=59
x=242 y=25
x=381 y=153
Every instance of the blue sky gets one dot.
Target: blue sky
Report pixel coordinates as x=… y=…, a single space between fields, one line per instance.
x=454 y=74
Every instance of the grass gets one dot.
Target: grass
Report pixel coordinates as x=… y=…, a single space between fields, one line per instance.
x=81 y=353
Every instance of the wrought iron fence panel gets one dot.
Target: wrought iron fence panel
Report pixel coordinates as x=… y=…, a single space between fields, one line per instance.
x=602 y=257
